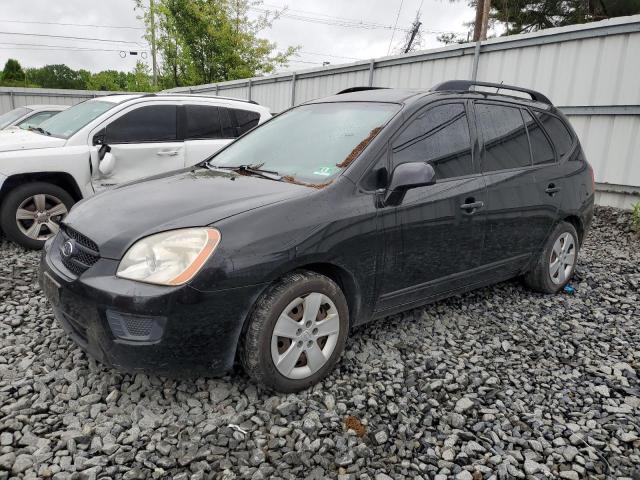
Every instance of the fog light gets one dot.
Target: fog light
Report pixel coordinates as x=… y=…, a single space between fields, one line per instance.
x=137 y=328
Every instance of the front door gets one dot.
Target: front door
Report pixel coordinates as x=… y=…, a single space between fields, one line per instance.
x=143 y=142
x=435 y=236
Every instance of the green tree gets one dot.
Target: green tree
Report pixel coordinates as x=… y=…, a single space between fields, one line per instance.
x=521 y=16
x=202 y=41
x=13 y=71
x=57 y=76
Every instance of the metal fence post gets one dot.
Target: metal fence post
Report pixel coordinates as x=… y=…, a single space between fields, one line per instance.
x=476 y=60
x=217 y=89
x=372 y=66
x=13 y=102
x=249 y=86
x=293 y=89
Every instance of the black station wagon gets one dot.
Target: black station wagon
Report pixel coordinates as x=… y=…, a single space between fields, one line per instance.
x=336 y=212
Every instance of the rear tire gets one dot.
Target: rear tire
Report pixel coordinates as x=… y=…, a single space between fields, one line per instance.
x=31 y=213
x=310 y=313
x=556 y=263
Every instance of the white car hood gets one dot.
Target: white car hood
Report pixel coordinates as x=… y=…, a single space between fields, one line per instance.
x=11 y=140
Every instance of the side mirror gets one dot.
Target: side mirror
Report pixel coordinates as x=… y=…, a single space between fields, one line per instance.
x=107 y=164
x=407 y=176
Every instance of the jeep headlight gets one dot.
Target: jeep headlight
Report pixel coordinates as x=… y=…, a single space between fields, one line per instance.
x=169 y=258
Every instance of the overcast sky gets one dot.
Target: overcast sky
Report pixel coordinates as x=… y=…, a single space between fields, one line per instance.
x=313 y=29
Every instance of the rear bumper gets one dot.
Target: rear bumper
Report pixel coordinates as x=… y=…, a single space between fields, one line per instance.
x=135 y=327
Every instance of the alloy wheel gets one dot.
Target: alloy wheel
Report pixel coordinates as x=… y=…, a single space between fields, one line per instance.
x=305 y=335
x=562 y=259
x=38 y=216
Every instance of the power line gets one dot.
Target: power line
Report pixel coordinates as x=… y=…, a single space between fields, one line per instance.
x=69 y=37
x=332 y=17
x=329 y=55
x=73 y=48
x=73 y=24
x=331 y=22
x=394 y=27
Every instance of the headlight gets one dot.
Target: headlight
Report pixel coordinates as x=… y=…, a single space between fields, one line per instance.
x=169 y=258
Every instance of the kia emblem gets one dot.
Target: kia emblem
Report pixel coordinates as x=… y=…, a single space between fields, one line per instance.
x=68 y=248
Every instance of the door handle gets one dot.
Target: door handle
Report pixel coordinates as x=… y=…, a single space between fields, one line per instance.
x=471 y=206
x=551 y=189
x=167 y=153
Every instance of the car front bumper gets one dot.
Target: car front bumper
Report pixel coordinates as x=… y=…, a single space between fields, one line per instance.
x=137 y=327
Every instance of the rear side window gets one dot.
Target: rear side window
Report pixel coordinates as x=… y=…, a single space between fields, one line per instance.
x=440 y=137
x=558 y=132
x=540 y=147
x=153 y=123
x=203 y=121
x=228 y=123
x=245 y=120
x=505 y=137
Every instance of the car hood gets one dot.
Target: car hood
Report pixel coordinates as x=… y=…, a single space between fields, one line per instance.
x=115 y=219
x=19 y=139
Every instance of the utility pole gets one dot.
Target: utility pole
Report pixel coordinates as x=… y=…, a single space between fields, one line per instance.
x=414 y=32
x=482 y=20
x=152 y=13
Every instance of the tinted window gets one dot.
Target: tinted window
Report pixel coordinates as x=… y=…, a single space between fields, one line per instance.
x=228 y=124
x=558 y=132
x=540 y=146
x=245 y=120
x=202 y=121
x=505 y=137
x=439 y=136
x=154 y=123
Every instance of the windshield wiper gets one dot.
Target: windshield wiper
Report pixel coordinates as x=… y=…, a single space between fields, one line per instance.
x=41 y=130
x=250 y=169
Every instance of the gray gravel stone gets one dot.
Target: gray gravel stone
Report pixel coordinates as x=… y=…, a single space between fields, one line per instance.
x=494 y=384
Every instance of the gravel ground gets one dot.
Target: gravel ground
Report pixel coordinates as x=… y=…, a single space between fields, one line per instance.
x=500 y=383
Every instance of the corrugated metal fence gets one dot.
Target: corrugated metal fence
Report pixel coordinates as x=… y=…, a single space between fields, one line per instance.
x=591 y=71
x=13 y=97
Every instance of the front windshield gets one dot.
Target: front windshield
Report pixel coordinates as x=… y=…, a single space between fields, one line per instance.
x=311 y=143
x=11 y=116
x=69 y=121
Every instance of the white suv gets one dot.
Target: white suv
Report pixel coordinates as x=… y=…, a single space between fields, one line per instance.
x=104 y=142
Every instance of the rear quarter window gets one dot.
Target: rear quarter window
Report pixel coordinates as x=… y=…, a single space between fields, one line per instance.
x=245 y=120
x=558 y=132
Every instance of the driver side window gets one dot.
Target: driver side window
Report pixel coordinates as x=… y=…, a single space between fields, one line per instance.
x=153 y=123
x=440 y=137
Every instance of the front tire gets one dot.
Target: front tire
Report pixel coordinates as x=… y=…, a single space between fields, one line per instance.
x=31 y=213
x=296 y=332
x=554 y=267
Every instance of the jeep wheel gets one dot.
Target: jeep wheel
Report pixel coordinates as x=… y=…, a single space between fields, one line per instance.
x=31 y=213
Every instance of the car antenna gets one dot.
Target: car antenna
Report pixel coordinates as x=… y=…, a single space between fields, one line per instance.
x=498 y=89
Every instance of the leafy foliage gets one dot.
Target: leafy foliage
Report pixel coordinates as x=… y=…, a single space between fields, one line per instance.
x=201 y=41
x=61 y=76
x=12 y=71
x=521 y=16
x=635 y=216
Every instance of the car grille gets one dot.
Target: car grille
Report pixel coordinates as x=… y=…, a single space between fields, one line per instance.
x=84 y=254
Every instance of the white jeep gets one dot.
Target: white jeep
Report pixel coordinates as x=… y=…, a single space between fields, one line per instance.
x=104 y=142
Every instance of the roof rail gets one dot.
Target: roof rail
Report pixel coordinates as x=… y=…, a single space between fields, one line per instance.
x=358 y=89
x=202 y=95
x=466 y=85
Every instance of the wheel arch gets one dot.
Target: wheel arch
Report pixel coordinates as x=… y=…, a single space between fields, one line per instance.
x=577 y=224
x=62 y=179
x=345 y=280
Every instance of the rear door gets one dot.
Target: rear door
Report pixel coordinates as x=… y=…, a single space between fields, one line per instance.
x=515 y=222
x=208 y=128
x=143 y=141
